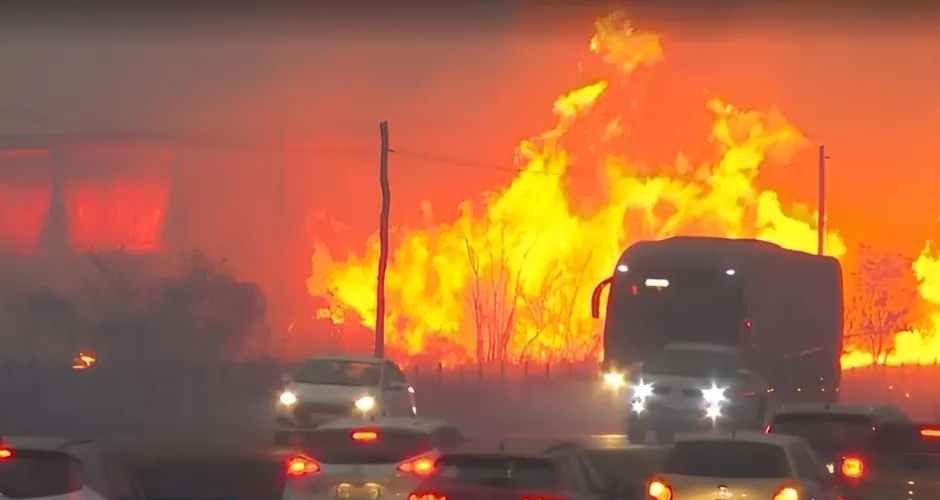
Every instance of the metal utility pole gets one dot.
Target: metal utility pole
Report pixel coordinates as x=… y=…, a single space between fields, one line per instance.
x=821 y=202
x=383 y=244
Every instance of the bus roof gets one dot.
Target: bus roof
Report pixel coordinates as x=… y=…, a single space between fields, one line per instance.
x=696 y=251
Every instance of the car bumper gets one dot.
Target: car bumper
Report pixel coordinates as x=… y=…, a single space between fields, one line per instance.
x=307 y=415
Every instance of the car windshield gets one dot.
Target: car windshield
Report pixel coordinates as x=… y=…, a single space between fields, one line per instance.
x=727 y=459
x=337 y=372
x=826 y=430
x=498 y=470
x=692 y=363
x=907 y=438
x=339 y=446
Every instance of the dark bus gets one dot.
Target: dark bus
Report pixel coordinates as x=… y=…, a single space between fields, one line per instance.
x=783 y=308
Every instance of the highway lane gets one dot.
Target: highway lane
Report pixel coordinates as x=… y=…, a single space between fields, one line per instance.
x=236 y=471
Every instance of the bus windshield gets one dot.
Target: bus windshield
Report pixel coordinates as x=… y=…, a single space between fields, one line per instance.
x=684 y=307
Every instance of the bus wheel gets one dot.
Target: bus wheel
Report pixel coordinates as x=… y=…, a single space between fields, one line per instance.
x=665 y=437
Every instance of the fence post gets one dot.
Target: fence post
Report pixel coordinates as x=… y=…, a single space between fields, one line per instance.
x=548 y=371
x=440 y=370
x=525 y=370
x=480 y=372
x=416 y=373
x=502 y=371
x=460 y=374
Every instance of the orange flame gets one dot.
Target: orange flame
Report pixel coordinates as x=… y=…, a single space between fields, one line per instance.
x=511 y=277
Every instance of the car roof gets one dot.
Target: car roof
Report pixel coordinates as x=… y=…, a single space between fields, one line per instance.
x=783 y=440
x=698 y=346
x=399 y=423
x=348 y=359
x=881 y=412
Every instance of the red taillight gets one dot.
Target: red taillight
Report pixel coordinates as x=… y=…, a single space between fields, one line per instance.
x=419 y=466
x=302 y=466
x=787 y=493
x=930 y=433
x=852 y=467
x=746 y=394
x=5 y=453
x=366 y=436
x=657 y=489
x=537 y=497
x=427 y=495
x=767 y=428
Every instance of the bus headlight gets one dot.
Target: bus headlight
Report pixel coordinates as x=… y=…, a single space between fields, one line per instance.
x=614 y=380
x=365 y=403
x=637 y=406
x=714 y=396
x=287 y=398
x=642 y=390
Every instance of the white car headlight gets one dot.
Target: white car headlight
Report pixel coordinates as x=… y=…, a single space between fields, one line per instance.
x=365 y=403
x=638 y=406
x=614 y=380
x=642 y=390
x=714 y=395
x=713 y=412
x=288 y=398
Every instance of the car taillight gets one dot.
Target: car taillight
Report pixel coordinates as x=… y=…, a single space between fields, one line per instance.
x=787 y=493
x=657 y=489
x=852 y=467
x=746 y=394
x=427 y=495
x=302 y=466
x=5 y=453
x=419 y=466
x=767 y=428
x=538 y=497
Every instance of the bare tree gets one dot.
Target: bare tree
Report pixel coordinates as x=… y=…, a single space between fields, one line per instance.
x=883 y=301
x=495 y=293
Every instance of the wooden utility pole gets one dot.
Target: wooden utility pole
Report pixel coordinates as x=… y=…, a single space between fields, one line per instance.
x=383 y=244
x=821 y=202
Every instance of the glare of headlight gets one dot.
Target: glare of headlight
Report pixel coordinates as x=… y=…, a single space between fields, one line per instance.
x=713 y=412
x=623 y=268
x=365 y=403
x=730 y=272
x=714 y=395
x=288 y=398
x=642 y=390
x=637 y=406
x=614 y=380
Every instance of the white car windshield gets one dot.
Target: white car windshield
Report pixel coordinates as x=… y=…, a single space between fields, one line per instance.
x=38 y=474
x=692 y=363
x=338 y=372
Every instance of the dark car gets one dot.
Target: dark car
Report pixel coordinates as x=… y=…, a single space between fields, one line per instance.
x=559 y=472
x=874 y=454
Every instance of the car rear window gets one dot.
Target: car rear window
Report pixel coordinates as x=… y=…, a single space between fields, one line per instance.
x=498 y=470
x=727 y=459
x=338 y=446
x=826 y=430
x=36 y=474
x=907 y=438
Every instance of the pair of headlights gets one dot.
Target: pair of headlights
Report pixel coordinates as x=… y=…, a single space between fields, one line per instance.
x=364 y=403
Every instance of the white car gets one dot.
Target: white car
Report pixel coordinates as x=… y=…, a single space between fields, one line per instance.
x=694 y=387
x=744 y=465
x=381 y=457
x=330 y=387
x=60 y=469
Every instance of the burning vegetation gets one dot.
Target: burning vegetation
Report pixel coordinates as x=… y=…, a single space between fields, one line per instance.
x=511 y=278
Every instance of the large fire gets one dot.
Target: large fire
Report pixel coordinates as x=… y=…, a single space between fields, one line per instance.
x=511 y=278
